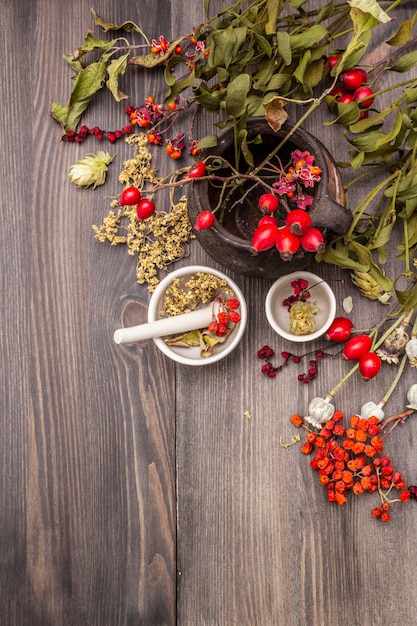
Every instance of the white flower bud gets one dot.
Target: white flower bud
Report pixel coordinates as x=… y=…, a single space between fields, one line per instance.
x=370 y=409
x=319 y=411
x=411 y=351
x=412 y=397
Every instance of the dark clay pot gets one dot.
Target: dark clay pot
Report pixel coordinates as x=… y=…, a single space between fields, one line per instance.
x=229 y=242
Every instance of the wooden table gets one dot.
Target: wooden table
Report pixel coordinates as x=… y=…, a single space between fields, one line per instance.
x=134 y=490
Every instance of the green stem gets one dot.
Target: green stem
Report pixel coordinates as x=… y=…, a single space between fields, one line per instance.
x=397 y=377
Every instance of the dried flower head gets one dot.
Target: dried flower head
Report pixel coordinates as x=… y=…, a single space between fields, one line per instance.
x=369 y=288
x=411 y=350
x=394 y=345
x=90 y=171
x=303 y=317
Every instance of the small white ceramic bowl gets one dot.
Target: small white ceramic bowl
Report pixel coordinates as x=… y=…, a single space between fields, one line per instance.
x=278 y=315
x=191 y=356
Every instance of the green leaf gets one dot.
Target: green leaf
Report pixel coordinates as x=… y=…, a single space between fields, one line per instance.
x=236 y=95
x=339 y=253
x=375 y=120
x=404 y=32
x=116 y=68
x=308 y=38
x=325 y=12
x=372 y=7
x=411 y=93
x=277 y=82
x=180 y=86
x=60 y=113
x=284 y=47
x=230 y=41
x=243 y=143
x=263 y=44
x=405 y=63
x=74 y=64
x=92 y=43
x=301 y=68
x=89 y=80
x=210 y=141
x=75 y=113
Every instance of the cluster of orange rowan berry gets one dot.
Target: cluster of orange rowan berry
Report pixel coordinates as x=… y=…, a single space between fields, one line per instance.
x=351 y=460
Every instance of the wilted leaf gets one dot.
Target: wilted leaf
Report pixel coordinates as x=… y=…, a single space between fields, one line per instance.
x=89 y=80
x=404 y=32
x=274 y=8
x=116 y=68
x=405 y=63
x=106 y=26
x=372 y=7
x=60 y=113
x=275 y=114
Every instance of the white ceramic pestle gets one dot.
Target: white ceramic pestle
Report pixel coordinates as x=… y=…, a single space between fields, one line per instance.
x=199 y=318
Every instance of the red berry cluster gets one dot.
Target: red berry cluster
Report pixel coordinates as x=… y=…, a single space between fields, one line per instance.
x=353 y=87
x=351 y=460
x=228 y=313
x=99 y=134
x=145 y=207
x=266 y=353
x=300 y=293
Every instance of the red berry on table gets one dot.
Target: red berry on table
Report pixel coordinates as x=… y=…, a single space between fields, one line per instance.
x=129 y=196
x=364 y=96
x=298 y=221
x=145 y=209
x=340 y=329
x=205 y=220
x=356 y=347
x=352 y=79
x=287 y=243
x=369 y=365
x=268 y=203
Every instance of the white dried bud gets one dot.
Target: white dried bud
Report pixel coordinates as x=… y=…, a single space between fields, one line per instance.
x=319 y=411
x=412 y=397
x=411 y=351
x=370 y=409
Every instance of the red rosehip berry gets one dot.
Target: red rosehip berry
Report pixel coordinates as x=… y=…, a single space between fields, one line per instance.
x=129 y=196
x=263 y=238
x=356 y=347
x=369 y=365
x=268 y=219
x=205 y=220
x=332 y=60
x=345 y=98
x=352 y=79
x=363 y=96
x=287 y=243
x=145 y=209
x=340 y=330
x=313 y=240
x=298 y=221
x=268 y=203
x=197 y=171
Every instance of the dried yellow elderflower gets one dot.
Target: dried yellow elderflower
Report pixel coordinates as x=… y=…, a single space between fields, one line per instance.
x=159 y=240
x=183 y=297
x=302 y=317
x=90 y=170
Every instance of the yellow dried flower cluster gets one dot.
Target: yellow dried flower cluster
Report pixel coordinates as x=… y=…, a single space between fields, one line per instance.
x=302 y=317
x=159 y=240
x=200 y=288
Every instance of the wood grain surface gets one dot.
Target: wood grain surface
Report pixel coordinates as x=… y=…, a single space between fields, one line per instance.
x=134 y=491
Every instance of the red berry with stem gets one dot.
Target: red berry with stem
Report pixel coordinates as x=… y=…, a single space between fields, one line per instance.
x=337 y=93
x=268 y=203
x=287 y=243
x=129 y=196
x=298 y=221
x=364 y=97
x=263 y=238
x=197 y=171
x=340 y=330
x=268 y=219
x=313 y=240
x=205 y=220
x=356 y=347
x=345 y=98
x=369 y=365
x=352 y=79
x=145 y=209
x=332 y=60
